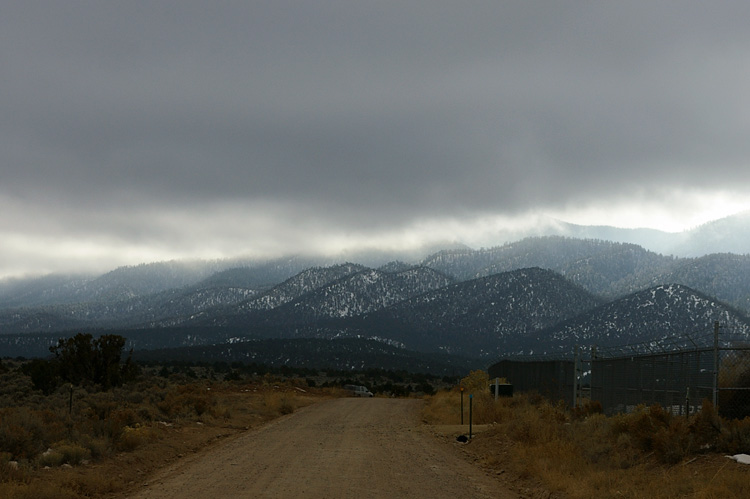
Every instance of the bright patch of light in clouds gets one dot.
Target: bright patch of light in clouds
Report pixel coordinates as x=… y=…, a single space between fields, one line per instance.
x=36 y=254
x=674 y=211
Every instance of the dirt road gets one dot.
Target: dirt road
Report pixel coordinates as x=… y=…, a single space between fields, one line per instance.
x=343 y=448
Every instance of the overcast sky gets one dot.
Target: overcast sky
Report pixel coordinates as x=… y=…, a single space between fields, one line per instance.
x=141 y=131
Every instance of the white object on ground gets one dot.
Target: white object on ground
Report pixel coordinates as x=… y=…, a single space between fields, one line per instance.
x=741 y=458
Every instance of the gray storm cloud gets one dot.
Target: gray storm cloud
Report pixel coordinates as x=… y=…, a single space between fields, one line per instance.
x=142 y=122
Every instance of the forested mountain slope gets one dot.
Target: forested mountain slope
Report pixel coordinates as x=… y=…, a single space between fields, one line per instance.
x=355 y=293
x=648 y=316
x=602 y=267
x=472 y=317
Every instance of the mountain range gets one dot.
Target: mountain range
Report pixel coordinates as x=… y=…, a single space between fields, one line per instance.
x=726 y=235
x=538 y=295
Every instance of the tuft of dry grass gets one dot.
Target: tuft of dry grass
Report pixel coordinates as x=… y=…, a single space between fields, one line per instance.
x=584 y=454
x=279 y=403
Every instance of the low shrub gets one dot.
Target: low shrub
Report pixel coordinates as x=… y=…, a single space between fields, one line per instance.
x=49 y=459
x=12 y=471
x=22 y=433
x=97 y=447
x=674 y=442
x=442 y=408
x=63 y=453
x=587 y=409
x=187 y=400
x=706 y=425
x=74 y=454
x=133 y=437
x=279 y=402
x=734 y=437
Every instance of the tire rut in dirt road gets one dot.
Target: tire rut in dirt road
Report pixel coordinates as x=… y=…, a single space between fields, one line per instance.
x=363 y=448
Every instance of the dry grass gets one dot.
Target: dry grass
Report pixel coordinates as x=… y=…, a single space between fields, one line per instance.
x=649 y=453
x=109 y=442
x=279 y=402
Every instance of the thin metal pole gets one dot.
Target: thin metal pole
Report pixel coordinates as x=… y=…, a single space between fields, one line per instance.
x=591 y=380
x=471 y=397
x=575 y=377
x=462 y=405
x=716 y=365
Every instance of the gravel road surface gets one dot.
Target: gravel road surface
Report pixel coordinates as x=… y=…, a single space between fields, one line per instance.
x=342 y=448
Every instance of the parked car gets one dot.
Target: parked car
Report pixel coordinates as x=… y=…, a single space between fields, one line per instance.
x=358 y=390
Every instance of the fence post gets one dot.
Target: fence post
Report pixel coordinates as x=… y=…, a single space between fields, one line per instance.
x=471 y=416
x=575 y=377
x=591 y=378
x=462 y=404
x=716 y=366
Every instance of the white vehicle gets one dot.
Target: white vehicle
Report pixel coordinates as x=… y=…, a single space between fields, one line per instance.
x=358 y=390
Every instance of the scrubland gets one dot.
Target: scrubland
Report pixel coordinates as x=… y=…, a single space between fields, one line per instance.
x=86 y=442
x=556 y=452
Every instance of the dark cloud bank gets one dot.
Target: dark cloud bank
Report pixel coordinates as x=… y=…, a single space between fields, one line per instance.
x=160 y=129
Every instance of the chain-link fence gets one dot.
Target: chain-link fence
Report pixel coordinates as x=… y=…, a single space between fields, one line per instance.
x=677 y=381
x=733 y=390
x=678 y=377
x=554 y=379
